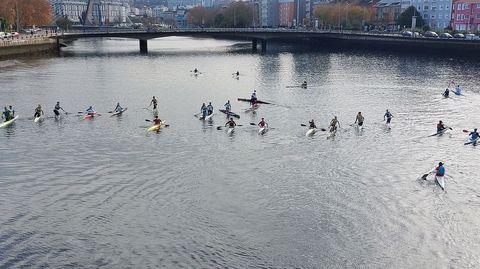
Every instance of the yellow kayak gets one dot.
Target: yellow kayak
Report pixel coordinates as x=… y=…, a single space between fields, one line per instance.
x=154 y=128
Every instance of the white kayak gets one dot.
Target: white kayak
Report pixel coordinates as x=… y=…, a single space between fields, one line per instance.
x=230 y=130
x=441 y=132
x=7 y=123
x=208 y=117
x=311 y=131
x=252 y=108
x=118 y=113
x=440 y=181
x=38 y=119
x=262 y=130
x=471 y=141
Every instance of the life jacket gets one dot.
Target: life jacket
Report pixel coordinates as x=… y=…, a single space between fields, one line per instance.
x=440 y=171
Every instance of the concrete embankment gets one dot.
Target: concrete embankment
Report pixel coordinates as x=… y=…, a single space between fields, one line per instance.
x=33 y=46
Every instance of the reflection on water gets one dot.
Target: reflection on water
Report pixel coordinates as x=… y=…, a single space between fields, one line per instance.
x=105 y=193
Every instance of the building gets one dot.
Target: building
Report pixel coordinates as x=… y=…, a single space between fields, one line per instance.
x=286 y=13
x=466 y=15
x=104 y=12
x=435 y=13
x=387 y=12
x=268 y=13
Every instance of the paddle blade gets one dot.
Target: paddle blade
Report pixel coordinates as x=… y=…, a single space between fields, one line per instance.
x=147 y=120
x=219 y=128
x=304 y=125
x=323 y=129
x=465 y=131
x=251 y=123
x=424 y=177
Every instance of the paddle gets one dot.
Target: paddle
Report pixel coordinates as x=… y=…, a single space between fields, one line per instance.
x=220 y=127
x=321 y=129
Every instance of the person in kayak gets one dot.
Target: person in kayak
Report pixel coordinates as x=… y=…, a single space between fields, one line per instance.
x=118 y=108
x=440 y=127
x=253 y=99
x=262 y=123
x=210 y=108
x=195 y=71
x=90 y=111
x=154 y=102
x=388 y=115
x=238 y=73
x=203 y=110
x=57 y=108
x=7 y=115
x=359 y=119
x=304 y=84
x=228 y=106
x=439 y=170
x=446 y=93
x=333 y=124
x=12 y=111
x=38 y=111
x=458 y=91
x=231 y=123
x=157 y=121
x=312 y=125
x=474 y=135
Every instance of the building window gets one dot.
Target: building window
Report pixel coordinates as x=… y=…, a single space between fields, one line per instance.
x=425 y=7
x=447 y=7
x=440 y=7
x=465 y=6
x=447 y=16
x=458 y=17
x=425 y=16
x=459 y=7
x=478 y=5
x=433 y=16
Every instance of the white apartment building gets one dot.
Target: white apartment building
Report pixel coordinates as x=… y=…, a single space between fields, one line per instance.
x=436 y=13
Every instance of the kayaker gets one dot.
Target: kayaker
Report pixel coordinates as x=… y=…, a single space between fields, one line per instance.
x=195 y=70
x=446 y=93
x=359 y=119
x=38 y=111
x=253 y=99
x=6 y=114
x=474 y=135
x=231 y=123
x=118 y=108
x=262 y=123
x=440 y=127
x=312 y=125
x=204 y=110
x=458 y=91
x=228 y=106
x=57 y=108
x=157 y=121
x=439 y=170
x=89 y=111
x=333 y=124
x=12 y=111
x=388 y=115
x=238 y=73
x=210 y=108
x=304 y=84
x=154 y=102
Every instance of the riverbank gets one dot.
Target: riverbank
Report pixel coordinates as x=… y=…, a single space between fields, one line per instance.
x=30 y=46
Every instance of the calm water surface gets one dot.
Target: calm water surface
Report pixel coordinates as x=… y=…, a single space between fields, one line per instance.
x=104 y=193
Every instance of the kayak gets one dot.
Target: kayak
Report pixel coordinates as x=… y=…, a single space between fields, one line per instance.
x=252 y=108
x=441 y=132
x=89 y=116
x=457 y=93
x=38 y=119
x=6 y=123
x=230 y=130
x=118 y=113
x=208 y=117
x=471 y=141
x=311 y=131
x=230 y=114
x=156 y=127
x=250 y=100
x=262 y=130
x=440 y=181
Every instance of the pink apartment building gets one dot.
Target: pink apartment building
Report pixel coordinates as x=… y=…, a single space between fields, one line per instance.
x=466 y=15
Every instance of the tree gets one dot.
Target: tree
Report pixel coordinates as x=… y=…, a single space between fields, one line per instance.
x=64 y=23
x=23 y=13
x=347 y=16
x=237 y=14
x=405 y=18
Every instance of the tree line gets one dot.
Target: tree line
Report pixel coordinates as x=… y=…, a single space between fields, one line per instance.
x=18 y=14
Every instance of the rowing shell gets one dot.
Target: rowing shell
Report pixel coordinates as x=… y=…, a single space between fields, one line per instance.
x=230 y=114
x=311 y=131
x=5 y=124
x=440 y=181
x=250 y=100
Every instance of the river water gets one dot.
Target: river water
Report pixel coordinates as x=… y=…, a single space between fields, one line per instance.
x=105 y=193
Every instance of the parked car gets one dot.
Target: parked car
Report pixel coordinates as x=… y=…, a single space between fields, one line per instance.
x=446 y=35
x=458 y=35
x=8 y=35
x=407 y=34
x=15 y=35
x=471 y=37
x=430 y=34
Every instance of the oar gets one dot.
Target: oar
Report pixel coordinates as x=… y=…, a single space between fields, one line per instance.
x=321 y=129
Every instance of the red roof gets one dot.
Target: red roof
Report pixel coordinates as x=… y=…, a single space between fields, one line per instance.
x=466 y=2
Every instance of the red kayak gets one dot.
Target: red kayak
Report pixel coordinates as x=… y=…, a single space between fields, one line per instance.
x=89 y=116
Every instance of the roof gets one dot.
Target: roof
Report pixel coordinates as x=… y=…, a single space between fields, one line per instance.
x=466 y=2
